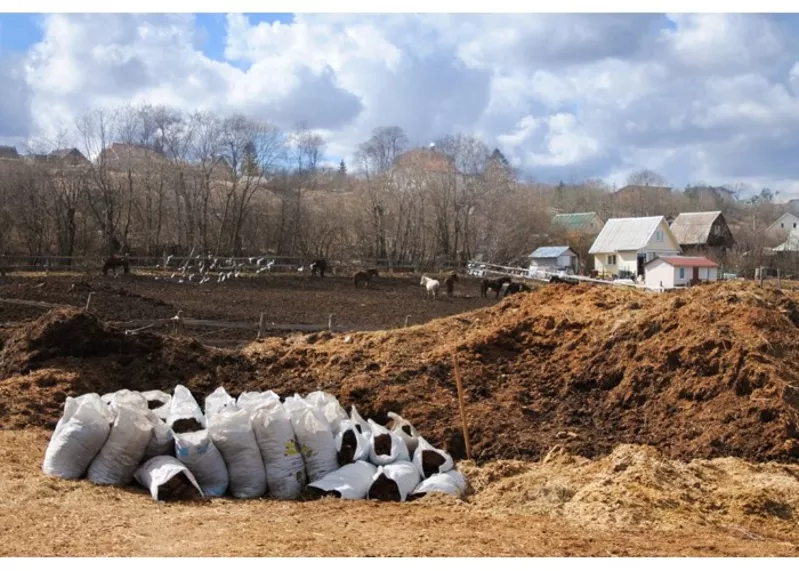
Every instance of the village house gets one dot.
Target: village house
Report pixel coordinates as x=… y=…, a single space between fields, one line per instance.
x=668 y=272
x=625 y=245
x=783 y=226
x=9 y=153
x=579 y=223
x=702 y=233
x=553 y=259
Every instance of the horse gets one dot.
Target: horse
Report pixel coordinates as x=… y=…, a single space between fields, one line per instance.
x=114 y=262
x=364 y=276
x=516 y=287
x=431 y=285
x=449 y=282
x=319 y=266
x=495 y=284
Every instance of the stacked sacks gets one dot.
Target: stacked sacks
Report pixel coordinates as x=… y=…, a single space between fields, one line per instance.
x=248 y=447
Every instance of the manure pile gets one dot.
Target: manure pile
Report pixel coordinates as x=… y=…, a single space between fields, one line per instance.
x=708 y=372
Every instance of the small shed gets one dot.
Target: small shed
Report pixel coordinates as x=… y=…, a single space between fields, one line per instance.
x=553 y=258
x=669 y=272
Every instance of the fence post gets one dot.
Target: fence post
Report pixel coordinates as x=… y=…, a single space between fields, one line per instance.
x=88 y=301
x=261 y=325
x=330 y=322
x=779 y=278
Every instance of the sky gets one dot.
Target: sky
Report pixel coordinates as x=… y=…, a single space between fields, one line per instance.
x=701 y=99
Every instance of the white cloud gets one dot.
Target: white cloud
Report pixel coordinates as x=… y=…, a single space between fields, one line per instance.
x=710 y=97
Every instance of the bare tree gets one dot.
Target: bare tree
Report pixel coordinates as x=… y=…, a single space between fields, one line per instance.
x=646 y=177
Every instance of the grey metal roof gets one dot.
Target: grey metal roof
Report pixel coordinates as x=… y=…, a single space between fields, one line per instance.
x=624 y=234
x=691 y=228
x=549 y=252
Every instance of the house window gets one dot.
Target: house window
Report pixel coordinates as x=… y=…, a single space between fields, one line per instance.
x=682 y=273
x=612 y=260
x=794 y=224
x=782 y=225
x=659 y=235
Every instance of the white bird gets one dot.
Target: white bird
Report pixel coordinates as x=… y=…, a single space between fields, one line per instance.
x=260 y=261
x=191 y=276
x=180 y=281
x=251 y=259
x=172 y=277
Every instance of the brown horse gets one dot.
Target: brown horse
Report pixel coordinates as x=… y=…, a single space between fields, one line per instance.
x=114 y=262
x=449 y=282
x=364 y=276
x=495 y=284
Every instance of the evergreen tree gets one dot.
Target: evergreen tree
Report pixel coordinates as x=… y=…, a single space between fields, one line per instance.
x=498 y=156
x=342 y=168
x=250 y=164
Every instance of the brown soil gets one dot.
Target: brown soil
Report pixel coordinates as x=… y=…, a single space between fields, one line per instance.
x=285 y=299
x=632 y=503
x=706 y=373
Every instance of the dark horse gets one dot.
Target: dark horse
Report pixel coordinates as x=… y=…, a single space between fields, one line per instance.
x=318 y=266
x=496 y=285
x=364 y=276
x=516 y=287
x=114 y=262
x=449 y=282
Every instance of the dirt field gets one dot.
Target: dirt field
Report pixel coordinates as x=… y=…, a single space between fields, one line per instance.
x=564 y=507
x=285 y=299
x=602 y=421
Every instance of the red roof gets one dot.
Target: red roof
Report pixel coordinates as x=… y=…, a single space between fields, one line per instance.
x=688 y=262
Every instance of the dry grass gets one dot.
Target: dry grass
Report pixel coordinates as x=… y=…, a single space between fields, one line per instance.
x=44 y=516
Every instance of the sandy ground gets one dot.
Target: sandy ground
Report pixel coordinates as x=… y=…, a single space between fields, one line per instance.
x=42 y=516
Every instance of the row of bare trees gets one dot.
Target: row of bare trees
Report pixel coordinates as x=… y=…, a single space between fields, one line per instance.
x=159 y=180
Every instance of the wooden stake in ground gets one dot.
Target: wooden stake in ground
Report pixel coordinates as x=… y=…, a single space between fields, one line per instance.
x=88 y=301
x=261 y=325
x=458 y=381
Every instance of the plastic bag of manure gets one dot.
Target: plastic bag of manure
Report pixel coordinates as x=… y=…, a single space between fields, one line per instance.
x=158 y=402
x=350 y=482
x=329 y=406
x=452 y=483
x=351 y=444
x=169 y=477
x=394 y=482
x=285 y=466
x=231 y=432
x=406 y=431
x=185 y=415
x=360 y=424
x=161 y=443
x=386 y=447
x=125 y=397
x=197 y=452
x=78 y=437
x=252 y=401
x=124 y=450
x=218 y=401
x=317 y=445
x=430 y=460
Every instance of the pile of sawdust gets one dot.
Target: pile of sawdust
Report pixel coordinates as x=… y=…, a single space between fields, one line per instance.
x=637 y=486
x=707 y=372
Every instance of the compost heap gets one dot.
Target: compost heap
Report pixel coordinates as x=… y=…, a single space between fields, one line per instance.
x=246 y=447
x=711 y=371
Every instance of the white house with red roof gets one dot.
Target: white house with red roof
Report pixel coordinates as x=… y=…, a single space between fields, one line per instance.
x=667 y=272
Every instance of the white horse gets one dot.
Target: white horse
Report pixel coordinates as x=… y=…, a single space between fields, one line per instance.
x=432 y=286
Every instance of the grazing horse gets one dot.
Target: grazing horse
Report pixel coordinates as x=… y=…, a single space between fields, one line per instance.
x=364 y=276
x=114 y=262
x=319 y=266
x=496 y=285
x=449 y=282
x=431 y=285
x=516 y=287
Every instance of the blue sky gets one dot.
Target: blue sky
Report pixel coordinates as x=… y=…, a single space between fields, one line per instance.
x=708 y=98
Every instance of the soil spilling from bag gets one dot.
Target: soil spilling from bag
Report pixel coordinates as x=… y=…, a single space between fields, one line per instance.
x=712 y=371
x=349 y=446
x=384 y=489
x=382 y=444
x=178 y=489
x=431 y=461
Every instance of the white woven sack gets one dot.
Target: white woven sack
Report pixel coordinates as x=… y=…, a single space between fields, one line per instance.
x=159 y=470
x=124 y=450
x=350 y=482
x=217 y=401
x=231 y=432
x=406 y=431
x=315 y=437
x=452 y=483
x=285 y=467
x=381 y=455
x=158 y=402
x=251 y=401
x=404 y=475
x=351 y=444
x=430 y=460
x=78 y=437
x=197 y=452
x=184 y=407
x=161 y=443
